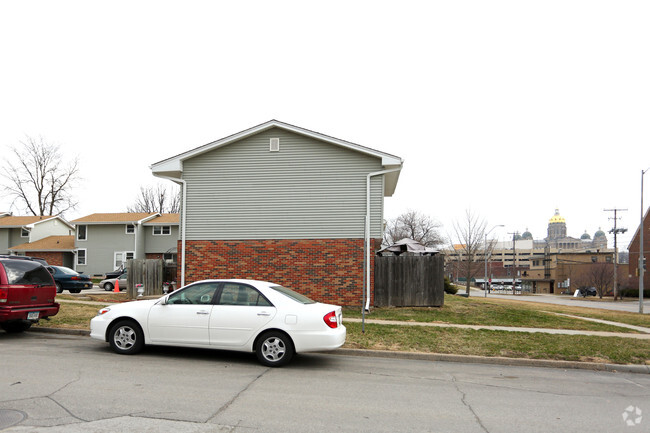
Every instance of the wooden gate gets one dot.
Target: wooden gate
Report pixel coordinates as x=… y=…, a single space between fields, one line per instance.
x=409 y=281
x=148 y=272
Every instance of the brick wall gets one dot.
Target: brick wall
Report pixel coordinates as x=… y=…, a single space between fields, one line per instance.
x=326 y=270
x=51 y=257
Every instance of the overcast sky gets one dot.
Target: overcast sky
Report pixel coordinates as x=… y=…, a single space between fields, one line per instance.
x=508 y=108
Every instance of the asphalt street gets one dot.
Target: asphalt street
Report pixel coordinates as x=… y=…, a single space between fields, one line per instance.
x=62 y=383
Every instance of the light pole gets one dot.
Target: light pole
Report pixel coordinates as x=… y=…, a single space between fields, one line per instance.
x=641 y=259
x=485 y=283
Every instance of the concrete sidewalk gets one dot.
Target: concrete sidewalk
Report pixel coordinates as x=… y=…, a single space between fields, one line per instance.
x=510 y=328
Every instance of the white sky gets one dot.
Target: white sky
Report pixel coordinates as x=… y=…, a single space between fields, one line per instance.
x=508 y=108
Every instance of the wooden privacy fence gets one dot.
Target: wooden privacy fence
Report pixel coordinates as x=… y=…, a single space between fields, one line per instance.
x=148 y=272
x=409 y=281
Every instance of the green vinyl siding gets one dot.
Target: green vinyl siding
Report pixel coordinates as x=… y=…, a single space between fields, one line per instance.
x=309 y=189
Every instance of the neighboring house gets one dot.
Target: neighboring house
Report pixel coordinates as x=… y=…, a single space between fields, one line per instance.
x=105 y=241
x=57 y=250
x=21 y=230
x=280 y=203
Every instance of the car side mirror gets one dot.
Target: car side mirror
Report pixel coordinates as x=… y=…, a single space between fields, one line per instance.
x=51 y=270
x=163 y=300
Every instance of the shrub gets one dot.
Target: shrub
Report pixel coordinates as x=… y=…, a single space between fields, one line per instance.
x=449 y=288
x=634 y=293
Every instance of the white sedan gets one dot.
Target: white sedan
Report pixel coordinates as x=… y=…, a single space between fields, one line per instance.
x=240 y=315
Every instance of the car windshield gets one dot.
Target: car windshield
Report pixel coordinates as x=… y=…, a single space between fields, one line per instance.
x=26 y=272
x=66 y=270
x=293 y=295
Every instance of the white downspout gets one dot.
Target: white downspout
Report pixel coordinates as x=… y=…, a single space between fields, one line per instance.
x=183 y=223
x=367 y=234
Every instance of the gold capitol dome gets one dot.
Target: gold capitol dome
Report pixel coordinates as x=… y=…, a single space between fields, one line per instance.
x=555 y=219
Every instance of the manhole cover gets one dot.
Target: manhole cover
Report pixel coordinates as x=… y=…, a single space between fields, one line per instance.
x=10 y=417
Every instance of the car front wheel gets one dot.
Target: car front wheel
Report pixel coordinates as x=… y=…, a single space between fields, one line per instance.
x=274 y=349
x=126 y=337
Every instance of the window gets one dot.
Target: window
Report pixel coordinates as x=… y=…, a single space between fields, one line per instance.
x=26 y=272
x=162 y=230
x=240 y=294
x=130 y=229
x=200 y=293
x=81 y=257
x=24 y=233
x=82 y=233
x=121 y=257
x=293 y=295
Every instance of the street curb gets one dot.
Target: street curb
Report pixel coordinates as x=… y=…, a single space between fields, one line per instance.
x=421 y=356
x=515 y=362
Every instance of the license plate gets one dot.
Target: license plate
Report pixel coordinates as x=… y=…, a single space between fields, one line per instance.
x=33 y=315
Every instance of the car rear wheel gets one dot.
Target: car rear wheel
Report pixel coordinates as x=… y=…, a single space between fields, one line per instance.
x=274 y=349
x=126 y=337
x=108 y=287
x=75 y=290
x=59 y=289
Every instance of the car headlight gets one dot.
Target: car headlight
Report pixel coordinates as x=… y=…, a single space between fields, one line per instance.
x=103 y=311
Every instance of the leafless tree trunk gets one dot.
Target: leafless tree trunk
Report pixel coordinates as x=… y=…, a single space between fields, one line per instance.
x=469 y=234
x=39 y=180
x=157 y=198
x=601 y=276
x=413 y=225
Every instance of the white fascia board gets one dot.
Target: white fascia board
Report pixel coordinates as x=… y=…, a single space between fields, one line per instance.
x=175 y=164
x=149 y=218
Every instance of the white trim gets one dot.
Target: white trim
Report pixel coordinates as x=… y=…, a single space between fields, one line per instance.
x=24 y=230
x=77 y=233
x=162 y=230
x=76 y=260
x=125 y=253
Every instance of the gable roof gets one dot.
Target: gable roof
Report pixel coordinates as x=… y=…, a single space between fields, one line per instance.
x=23 y=221
x=173 y=167
x=166 y=218
x=117 y=218
x=636 y=233
x=50 y=243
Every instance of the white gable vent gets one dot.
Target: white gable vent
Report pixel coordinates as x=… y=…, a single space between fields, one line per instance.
x=275 y=145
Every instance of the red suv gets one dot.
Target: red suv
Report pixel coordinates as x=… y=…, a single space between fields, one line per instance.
x=27 y=294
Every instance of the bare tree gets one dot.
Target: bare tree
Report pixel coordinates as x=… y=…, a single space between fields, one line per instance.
x=38 y=179
x=158 y=198
x=469 y=234
x=413 y=225
x=601 y=276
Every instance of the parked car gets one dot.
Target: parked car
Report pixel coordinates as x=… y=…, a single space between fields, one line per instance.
x=239 y=315
x=69 y=279
x=588 y=291
x=27 y=292
x=34 y=259
x=116 y=273
x=109 y=283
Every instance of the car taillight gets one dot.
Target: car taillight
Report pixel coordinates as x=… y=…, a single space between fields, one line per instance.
x=4 y=294
x=330 y=320
x=75 y=278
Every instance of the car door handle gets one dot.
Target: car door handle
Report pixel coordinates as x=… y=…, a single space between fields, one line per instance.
x=202 y=312
x=263 y=313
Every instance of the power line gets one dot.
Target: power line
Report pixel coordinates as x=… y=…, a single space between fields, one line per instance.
x=616 y=231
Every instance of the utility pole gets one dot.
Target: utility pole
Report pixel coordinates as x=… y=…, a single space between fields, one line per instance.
x=514 y=261
x=616 y=231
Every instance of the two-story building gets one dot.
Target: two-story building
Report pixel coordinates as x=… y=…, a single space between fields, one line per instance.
x=105 y=241
x=281 y=203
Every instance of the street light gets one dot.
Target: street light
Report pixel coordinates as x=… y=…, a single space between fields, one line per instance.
x=641 y=259
x=485 y=283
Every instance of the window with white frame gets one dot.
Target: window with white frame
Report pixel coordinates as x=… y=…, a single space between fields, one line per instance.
x=121 y=257
x=81 y=257
x=130 y=229
x=162 y=230
x=24 y=233
x=82 y=233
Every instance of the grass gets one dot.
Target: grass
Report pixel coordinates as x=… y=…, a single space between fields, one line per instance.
x=499 y=343
x=501 y=312
x=460 y=310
